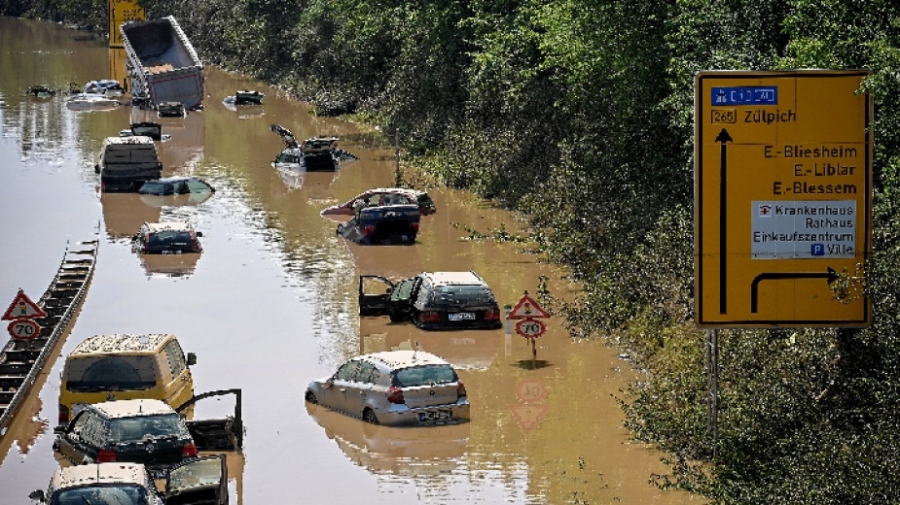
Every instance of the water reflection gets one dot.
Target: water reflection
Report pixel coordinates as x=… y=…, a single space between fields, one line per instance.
x=389 y=450
x=169 y=265
x=124 y=213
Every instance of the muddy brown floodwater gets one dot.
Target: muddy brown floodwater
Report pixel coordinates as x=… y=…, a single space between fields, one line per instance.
x=271 y=303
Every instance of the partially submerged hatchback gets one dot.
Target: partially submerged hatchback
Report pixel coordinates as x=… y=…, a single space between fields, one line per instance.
x=385 y=225
x=146 y=431
x=137 y=431
x=194 y=482
x=397 y=388
x=169 y=237
x=432 y=300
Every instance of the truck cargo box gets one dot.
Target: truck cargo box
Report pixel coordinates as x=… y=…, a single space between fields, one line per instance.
x=162 y=63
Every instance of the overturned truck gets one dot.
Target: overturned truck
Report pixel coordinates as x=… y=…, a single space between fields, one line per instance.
x=162 y=64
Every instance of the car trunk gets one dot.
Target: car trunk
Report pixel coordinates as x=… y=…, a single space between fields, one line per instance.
x=430 y=395
x=152 y=451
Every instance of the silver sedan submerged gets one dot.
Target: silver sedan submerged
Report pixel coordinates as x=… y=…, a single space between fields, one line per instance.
x=397 y=388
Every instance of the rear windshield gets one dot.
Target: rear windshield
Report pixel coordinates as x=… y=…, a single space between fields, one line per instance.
x=118 y=494
x=110 y=373
x=170 y=237
x=463 y=295
x=424 y=376
x=137 y=428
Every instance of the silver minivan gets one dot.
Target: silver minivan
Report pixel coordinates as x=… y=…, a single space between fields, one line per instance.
x=398 y=388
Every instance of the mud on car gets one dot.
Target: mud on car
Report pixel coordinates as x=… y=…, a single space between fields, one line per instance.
x=432 y=300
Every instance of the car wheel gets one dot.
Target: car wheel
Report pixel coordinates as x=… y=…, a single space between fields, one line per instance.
x=370 y=417
x=311 y=397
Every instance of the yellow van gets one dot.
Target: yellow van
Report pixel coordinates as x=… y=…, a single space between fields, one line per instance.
x=124 y=367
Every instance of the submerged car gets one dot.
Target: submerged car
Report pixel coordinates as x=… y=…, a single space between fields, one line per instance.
x=385 y=225
x=176 y=186
x=170 y=237
x=397 y=388
x=313 y=154
x=432 y=300
x=197 y=481
x=378 y=197
x=244 y=97
x=171 y=109
x=146 y=431
x=144 y=128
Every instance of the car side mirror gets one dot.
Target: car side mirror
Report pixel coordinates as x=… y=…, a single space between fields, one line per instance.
x=60 y=430
x=191 y=359
x=37 y=494
x=97 y=168
x=198 y=233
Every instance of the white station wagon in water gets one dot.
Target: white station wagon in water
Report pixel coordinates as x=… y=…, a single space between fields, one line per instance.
x=398 y=388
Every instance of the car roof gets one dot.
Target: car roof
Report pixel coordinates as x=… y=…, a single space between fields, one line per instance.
x=176 y=178
x=105 y=344
x=99 y=473
x=394 y=360
x=134 y=139
x=167 y=225
x=402 y=191
x=133 y=408
x=457 y=278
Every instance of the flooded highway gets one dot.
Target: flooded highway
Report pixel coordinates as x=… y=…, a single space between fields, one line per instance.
x=271 y=303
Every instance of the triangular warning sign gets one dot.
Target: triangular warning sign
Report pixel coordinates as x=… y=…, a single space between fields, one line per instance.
x=23 y=307
x=527 y=307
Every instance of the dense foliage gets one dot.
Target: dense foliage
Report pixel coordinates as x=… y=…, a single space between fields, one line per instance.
x=580 y=113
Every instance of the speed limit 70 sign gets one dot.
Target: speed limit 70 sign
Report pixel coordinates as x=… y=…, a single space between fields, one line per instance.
x=530 y=328
x=24 y=329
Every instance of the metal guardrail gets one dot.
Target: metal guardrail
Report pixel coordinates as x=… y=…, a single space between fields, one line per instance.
x=22 y=360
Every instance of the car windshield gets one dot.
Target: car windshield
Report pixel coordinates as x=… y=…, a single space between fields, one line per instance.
x=137 y=428
x=110 y=494
x=463 y=295
x=423 y=376
x=110 y=373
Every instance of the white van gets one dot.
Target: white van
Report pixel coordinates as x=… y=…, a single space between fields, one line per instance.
x=126 y=163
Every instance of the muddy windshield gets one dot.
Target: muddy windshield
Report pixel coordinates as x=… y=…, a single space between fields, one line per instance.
x=424 y=376
x=112 y=494
x=110 y=373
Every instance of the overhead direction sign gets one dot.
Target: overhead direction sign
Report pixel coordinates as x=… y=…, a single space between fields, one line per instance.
x=527 y=308
x=23 y=307
x=783 y=206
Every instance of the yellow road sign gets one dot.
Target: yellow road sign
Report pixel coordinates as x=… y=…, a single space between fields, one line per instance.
x=120 y=12
x=783 y=208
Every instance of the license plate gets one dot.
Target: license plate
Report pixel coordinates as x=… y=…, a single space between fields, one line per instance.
x=461 y=316
x=436 y=415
